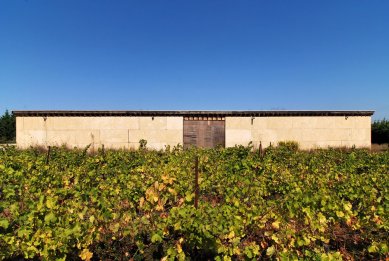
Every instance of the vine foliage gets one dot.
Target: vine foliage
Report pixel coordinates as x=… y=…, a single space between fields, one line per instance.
x=283 y=204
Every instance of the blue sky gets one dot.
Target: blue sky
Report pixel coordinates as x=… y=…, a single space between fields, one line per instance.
x=194 y=55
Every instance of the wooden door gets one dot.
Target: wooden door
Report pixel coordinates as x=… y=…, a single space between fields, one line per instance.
x=204 y=132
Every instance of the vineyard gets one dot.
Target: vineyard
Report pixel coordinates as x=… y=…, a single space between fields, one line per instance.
x=282 y=204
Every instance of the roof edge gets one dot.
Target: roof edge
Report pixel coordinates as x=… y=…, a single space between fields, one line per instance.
x=247 y=113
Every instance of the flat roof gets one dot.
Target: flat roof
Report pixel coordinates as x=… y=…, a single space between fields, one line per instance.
x=276 y=113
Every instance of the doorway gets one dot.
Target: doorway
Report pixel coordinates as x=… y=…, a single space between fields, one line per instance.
x=204 y=132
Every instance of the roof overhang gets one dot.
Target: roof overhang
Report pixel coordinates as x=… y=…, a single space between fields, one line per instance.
x=65 y=113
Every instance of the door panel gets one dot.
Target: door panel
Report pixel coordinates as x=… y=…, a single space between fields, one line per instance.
x=204 y=133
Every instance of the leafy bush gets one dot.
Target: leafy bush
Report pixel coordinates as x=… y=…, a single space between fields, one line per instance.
x=380 y=131
x=142 y=144
x=115 y=205
x=288 y=145
x=7 y=128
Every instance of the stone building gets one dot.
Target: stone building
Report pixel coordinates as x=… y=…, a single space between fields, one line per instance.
x=124 y=129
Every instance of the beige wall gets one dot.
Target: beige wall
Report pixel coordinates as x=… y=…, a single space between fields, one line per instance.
x=113 y=132
x=309 y=132
x=125 y=132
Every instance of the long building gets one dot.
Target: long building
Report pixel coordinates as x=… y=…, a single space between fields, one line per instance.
x=124 y=129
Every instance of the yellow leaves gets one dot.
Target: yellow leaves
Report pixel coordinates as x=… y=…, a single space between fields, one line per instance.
x=347 y=206
x=151 y=195
x=178 y=245
x=377 y=220
x=331 y=256
x=86 y=254
x=167 y=180
x=160 y=205
x=275 y=238
x=165 y=231
x=177 y=226
x=154 y=192
x=189 y=197
x=236 y=251
x=322 y=219
x=226 y=258
x=325 y=240
x=340 y=214
x=66 y=182
x=50 y=202
x=322 y=225
x=141 y=169
x=276 y=224
x=159 y=187
x=304 y=240
x=270 y=251
x=172 y=191
x=291 y=242
x=179 y=248
x=231 y=235
x=114 y=227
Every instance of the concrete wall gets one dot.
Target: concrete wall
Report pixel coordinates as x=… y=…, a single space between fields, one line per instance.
x=113 y=132
x=309 y=132
x=125 y=132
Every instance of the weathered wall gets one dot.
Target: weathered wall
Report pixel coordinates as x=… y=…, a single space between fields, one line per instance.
x=309 y=132
x=125 y=132
x=113 y=132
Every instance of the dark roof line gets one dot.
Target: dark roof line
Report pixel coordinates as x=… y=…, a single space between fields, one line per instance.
x=191 y=113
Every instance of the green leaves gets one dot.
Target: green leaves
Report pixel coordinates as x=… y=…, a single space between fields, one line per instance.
x=270 y=251
x=156 y=238
x=4 y=223
x=50 y=203
x=50 y=218
x=286 y=204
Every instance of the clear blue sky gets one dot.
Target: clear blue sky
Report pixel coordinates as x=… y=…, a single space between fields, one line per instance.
x=188 y=55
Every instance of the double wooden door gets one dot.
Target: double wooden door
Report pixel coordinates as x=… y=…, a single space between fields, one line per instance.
x=204 y=132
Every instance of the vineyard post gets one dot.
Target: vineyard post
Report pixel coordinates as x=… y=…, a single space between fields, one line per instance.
x=196 y=185
x=260 y=149
x=48 y=155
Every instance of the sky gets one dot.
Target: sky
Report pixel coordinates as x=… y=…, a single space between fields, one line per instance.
x=194 y=55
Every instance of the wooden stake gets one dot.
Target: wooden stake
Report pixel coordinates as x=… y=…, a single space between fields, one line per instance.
x=48 y=155
x=196 y=185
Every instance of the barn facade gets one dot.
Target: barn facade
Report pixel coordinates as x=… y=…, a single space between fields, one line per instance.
x=124 y=129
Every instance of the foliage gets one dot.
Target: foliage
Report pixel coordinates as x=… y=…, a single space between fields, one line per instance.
x=115 y=205
x=380 y=131
x=142 y=144
x=289 y=145
x=7 y=128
